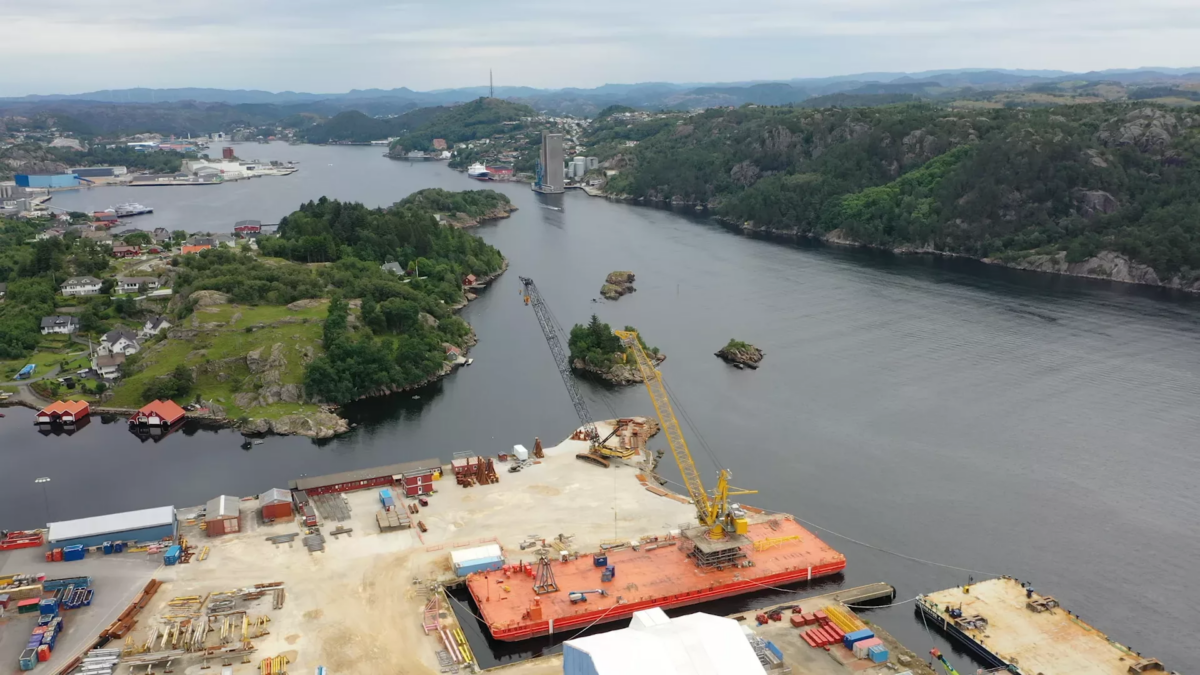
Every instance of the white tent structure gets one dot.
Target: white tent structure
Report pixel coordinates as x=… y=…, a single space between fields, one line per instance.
x=653 y=644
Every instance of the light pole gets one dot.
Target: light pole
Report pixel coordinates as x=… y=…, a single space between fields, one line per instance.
x=45 y=494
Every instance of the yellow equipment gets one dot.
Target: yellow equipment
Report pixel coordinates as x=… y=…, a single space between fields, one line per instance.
x=713 y=511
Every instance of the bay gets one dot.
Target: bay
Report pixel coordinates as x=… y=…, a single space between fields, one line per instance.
x=1006 y=422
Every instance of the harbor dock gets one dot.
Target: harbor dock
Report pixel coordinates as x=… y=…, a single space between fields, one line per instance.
x=1009 y=625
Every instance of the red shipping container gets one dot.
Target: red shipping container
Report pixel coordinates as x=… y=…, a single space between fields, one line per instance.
x=58 y=555
x=49 y=556
x=809 y=619
x=43 y=653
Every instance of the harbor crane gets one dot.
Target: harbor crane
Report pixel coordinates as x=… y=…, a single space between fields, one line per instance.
x=599 y=453
x=723 y=520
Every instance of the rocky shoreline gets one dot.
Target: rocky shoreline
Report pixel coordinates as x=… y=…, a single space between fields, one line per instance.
x=617 y=284
x=742 y=355
x=462 y=220
x=1105 y=265
x=622 y=374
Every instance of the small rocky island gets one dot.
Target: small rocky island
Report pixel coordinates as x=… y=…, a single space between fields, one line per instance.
x=741 y=354
x=617 y=284
x=597 y=352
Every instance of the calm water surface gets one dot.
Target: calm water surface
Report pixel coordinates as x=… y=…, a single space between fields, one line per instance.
x=988 y=419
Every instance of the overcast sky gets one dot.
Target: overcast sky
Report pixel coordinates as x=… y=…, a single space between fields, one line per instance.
x=70 y=46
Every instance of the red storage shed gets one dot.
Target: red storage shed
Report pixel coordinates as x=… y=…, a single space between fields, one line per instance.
x=276 y=504
x=158 y=414
x=421 y=474
x=222 y=515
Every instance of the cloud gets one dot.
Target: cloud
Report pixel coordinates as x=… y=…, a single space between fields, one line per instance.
x=76 y=45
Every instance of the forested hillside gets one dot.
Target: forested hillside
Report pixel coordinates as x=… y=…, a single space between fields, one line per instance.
x=480 y=118
x=1053 y=189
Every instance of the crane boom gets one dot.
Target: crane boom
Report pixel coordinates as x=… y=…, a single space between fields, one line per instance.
x=550 y=330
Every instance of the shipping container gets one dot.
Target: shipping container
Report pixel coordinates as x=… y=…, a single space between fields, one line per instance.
x=856 y=636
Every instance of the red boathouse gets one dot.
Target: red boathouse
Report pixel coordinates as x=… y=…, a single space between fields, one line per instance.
x=158 y=414
x=63 y=412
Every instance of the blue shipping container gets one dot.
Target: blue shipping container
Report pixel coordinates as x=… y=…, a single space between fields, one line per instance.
x=878 y=653
x=77 y=582
x=856 y=636
x=73 y=552
x=172 y=555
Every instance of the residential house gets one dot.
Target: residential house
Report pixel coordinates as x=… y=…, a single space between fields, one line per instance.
x=247 y=228
x=99 y=237
x=119 y=341
x=394 y=268
x=63 y=325
x=161 y=235
x=154 y=326
x=469 y=280
x=201 y=240
x=188 y=249
x=134 y=284
x=81 y=286
x=126 y=251
x=224 y=240
x=52 y=233
x=108 y=367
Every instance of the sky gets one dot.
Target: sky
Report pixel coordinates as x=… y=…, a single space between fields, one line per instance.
x=73 y=46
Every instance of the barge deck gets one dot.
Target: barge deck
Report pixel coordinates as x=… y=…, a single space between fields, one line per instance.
x=779 y=551
x=1011 y=627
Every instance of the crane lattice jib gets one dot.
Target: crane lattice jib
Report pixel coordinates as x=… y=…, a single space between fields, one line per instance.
x=549 y=329
x=670 y=426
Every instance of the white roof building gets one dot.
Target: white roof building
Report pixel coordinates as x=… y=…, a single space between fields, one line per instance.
x=653 y=644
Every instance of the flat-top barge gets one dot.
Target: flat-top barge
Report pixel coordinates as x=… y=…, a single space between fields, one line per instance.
x=670 y=572
x=1009 y=625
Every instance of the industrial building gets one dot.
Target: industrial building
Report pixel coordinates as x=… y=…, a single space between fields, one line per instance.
x=654 y=644
x=222 y=515
x=99 y=171
x=146 y=525
x=416 y=476
x=276 y=504
x=550 y=165
x=478 y=559
x=46 y=180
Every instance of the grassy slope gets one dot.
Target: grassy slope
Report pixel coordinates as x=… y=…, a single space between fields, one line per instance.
x=227 y=342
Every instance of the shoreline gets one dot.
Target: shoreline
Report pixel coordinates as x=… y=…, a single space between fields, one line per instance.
x=1131 y=272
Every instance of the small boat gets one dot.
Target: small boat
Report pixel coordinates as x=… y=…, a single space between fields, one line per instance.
x=246 y=444
x=416 y=397
x=470 y=361
x=258 y=442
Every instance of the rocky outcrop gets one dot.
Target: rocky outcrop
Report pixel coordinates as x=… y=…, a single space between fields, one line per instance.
x=619 y=374
x=308 y=303
x=1094 y=203
x=741 y=353
x=461 y=220
x=322 y=424
x=1147 y=129
x=617 y=284
x=1104 y=265
x=267 y=379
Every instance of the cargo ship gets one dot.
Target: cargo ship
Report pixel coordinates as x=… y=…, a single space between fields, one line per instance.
x=478 y=172
x=535 y=598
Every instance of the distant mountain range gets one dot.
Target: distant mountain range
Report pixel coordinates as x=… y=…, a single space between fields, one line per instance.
x=325 y=116
x=647 y=93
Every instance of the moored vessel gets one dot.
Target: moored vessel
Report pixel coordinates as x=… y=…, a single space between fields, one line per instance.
x=672 y=571
x=478 y=171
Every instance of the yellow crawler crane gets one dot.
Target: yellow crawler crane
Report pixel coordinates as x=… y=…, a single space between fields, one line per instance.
x=713 y=511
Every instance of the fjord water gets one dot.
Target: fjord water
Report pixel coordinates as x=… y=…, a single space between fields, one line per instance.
x=1037 y=426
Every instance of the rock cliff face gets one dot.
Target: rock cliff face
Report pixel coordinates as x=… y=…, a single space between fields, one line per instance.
x=1104 y=265
x=267 y=376
x=617 y=284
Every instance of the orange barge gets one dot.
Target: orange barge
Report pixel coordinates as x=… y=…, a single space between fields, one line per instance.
x=663 y=574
